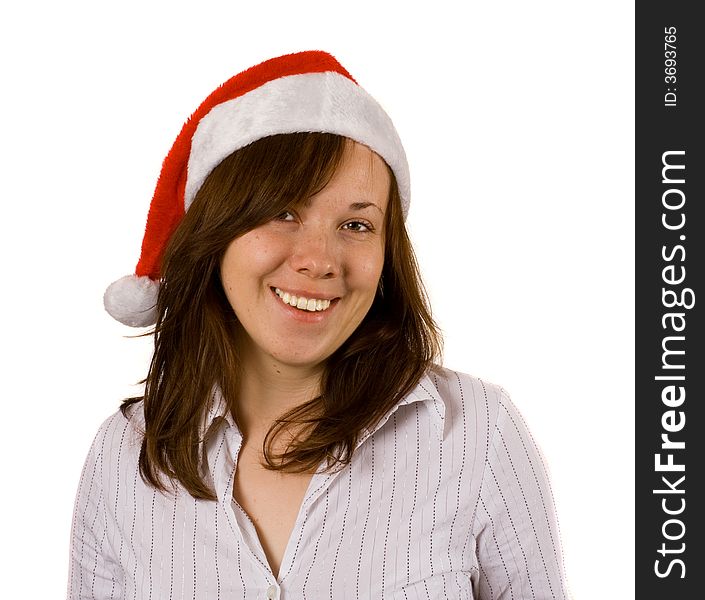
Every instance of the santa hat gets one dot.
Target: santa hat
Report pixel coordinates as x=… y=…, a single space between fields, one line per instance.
x=306 y=91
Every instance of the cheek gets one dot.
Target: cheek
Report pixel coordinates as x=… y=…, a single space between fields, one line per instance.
x=250 y=256
x=369 y=269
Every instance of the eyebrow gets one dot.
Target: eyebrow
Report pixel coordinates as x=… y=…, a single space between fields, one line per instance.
x=363 y=205
x=353 y=206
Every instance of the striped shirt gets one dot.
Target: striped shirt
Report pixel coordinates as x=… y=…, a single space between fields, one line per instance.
x=447 y=497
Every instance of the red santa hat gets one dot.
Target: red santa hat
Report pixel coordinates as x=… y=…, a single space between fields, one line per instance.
x=306 y=91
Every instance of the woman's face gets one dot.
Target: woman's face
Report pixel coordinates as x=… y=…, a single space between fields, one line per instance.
x=325 y=257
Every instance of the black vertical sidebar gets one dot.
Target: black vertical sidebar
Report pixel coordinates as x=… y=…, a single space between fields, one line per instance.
x=670 y=300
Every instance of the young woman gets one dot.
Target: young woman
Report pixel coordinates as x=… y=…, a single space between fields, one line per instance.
x=296 y=437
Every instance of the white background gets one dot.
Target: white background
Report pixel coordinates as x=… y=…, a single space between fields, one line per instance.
x=518 y=121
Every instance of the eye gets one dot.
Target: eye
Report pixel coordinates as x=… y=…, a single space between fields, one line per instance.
x=358 y=226
x=287 y=215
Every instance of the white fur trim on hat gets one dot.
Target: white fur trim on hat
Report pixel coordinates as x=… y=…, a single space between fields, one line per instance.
x=132 y=300
x=324 y=102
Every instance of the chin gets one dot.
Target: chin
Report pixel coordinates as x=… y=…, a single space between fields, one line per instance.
x=302 y=360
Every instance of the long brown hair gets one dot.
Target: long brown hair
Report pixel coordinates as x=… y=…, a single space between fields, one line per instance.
x=194 y=341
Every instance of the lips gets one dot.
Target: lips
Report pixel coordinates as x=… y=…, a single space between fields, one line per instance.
x=304 y=301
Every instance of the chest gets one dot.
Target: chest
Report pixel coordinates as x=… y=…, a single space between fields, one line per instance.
x=272 y=500
x=395 y=523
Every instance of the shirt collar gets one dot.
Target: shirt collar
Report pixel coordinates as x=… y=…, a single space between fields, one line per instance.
x=217 y=414
x=425 y=391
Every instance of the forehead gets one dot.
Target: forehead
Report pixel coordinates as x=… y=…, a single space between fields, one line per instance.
x=360 y=177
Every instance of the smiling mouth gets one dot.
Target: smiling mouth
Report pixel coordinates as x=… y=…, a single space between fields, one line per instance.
x=302 y=303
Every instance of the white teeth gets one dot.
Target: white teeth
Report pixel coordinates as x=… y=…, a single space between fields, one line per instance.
x=310 y=304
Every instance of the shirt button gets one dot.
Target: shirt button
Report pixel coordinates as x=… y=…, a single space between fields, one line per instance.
x=271 y=592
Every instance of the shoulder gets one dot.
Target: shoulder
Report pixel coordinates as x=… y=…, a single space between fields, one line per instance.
x=114 y=453
x=459 y=384
x=465 y=395
x=122 y=423
x=118 y=437
x=473 y=409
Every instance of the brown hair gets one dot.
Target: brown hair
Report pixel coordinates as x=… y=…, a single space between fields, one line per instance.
x=195 y=348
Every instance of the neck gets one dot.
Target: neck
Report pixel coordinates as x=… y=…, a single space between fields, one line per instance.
x=267 y=389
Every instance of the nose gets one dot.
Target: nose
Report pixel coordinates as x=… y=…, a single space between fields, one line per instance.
x=314 y=254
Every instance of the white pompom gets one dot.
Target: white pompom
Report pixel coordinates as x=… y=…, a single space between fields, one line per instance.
x=132 y=300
